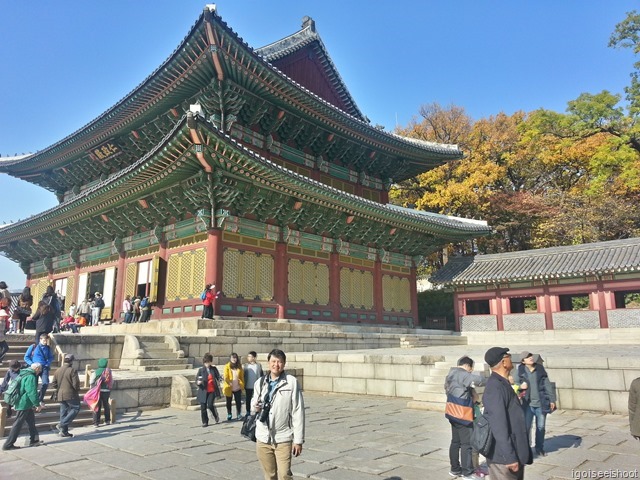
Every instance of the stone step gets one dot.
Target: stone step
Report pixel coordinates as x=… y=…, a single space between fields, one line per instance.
x=156 y=368
x=154 y=345
x=159 y=361
x=425 y=388
x=435 y=380
x=431 y=397
x=163 y=354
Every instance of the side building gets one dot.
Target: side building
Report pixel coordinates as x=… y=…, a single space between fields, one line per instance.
x=251 y=169
x=592 y=286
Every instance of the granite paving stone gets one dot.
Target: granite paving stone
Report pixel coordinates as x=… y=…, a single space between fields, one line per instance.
x=346 y=439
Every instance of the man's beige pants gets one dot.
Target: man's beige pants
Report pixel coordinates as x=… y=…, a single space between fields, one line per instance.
x=275 y=460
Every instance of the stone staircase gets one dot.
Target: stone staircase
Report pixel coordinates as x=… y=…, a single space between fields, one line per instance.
x=50 y=415
x=153 y=353
x=431 y=394
x=429 y=339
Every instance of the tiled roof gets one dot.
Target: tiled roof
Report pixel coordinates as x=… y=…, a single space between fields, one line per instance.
x=546 y=263
x=306 y=36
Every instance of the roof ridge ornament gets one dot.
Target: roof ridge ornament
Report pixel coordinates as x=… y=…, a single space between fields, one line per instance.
x=308 y=22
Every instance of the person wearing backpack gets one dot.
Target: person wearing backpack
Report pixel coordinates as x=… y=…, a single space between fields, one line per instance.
x=252 y=372
x=41 y=354
x=145 y=309
x=502 y=409
x=461 y=396
x=10 y=376
x=26 y=405
x=208 y=298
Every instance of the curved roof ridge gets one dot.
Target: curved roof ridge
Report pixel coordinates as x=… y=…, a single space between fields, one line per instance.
x=122 y=101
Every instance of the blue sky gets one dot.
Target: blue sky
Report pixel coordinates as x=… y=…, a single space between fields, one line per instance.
x=64 y=63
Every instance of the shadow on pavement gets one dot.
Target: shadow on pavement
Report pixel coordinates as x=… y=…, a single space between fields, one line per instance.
x=553 y=444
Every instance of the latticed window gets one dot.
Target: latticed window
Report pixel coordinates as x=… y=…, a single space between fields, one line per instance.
x=356 y=288
x=308 y=282
x=396 y=294
x=186 y=274
x=248 y=275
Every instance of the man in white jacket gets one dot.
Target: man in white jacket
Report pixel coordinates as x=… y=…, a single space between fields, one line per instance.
x=280 y=426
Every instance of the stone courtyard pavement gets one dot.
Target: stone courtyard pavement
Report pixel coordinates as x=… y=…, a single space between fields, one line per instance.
x=348 y=438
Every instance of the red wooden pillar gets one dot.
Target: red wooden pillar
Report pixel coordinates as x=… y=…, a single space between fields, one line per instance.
x=499 y=311
x=458 y=310
x=378 y=299
x=119 y=296
x=547 y=308
x=334 y=285
x=281 y=279
x=413 y=291
x=602 y=306
x=384 y=197
x=213 y=270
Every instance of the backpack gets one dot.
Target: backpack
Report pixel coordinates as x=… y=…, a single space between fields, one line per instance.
x=12 y=395
x=144 y=302
x=482 y=440
x=203 y=295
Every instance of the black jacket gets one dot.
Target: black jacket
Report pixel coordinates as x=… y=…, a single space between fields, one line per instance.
x=44 y=323
x=202 y=389
x=545 y=389
x=506 y=419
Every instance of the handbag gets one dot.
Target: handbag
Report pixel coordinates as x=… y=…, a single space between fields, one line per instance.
x=459 y=410
x=23 y=310
x=248 y=430
x=92 y=397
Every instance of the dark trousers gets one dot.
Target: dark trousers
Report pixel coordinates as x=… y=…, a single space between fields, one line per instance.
x=128 y=317
x=103 y=403
x=28 y=416
x=22 y=322
x=44 y=377
x=208 y=311
x=460 y=449
x=4 y=348
x=209 y=406
x=238 y=397
x=248 y=396
x=68 y=411
x=144 y=315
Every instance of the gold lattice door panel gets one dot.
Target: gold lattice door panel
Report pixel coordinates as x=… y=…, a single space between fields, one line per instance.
x=356 y=288
x=186 y=274
x=308 y=282
x=247 y=275
x=69 y=292
x=396 y=294
x=130 y=279
x=37 y=291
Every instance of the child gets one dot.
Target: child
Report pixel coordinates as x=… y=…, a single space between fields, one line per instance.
x=12 y=374
x=252 y=372
x=42 y=354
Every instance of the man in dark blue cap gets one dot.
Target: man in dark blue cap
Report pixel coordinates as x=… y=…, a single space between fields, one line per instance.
x=506 y=419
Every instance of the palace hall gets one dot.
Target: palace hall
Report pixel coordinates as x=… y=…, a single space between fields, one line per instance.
x=249 y=168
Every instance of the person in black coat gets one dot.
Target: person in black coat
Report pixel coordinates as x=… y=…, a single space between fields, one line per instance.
x=208 y=382
x=506 y=420
x=45 y=320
